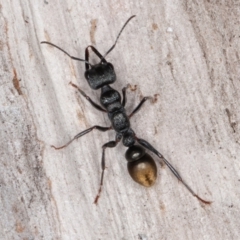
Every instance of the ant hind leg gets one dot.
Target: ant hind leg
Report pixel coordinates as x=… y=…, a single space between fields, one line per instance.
x=172 y=169
x=110 y=144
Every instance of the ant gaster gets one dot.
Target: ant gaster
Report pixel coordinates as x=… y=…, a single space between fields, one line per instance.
x=141 y=166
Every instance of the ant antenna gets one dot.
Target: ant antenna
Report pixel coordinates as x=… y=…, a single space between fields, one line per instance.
x=113 y=46
x=74 y=58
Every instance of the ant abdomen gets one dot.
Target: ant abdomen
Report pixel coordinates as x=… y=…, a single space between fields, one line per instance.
x=141 y=166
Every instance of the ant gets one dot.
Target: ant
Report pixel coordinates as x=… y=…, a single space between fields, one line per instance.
x=141 y=166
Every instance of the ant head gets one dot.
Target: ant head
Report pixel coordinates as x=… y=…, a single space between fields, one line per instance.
x=100 y=74
x=103 y=73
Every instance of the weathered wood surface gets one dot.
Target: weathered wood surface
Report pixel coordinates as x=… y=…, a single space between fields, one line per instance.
x=185 y=51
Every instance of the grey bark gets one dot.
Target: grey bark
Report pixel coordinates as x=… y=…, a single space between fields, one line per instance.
x=187 y=52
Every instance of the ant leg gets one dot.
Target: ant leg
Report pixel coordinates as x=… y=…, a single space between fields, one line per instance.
x=96 y=52
x=139 y=106
x=173 y=170
x=124 y=95
x=110 y=144
x=98 y=107
x=102 y=129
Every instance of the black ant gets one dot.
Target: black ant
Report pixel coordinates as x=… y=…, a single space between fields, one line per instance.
x=141 y=166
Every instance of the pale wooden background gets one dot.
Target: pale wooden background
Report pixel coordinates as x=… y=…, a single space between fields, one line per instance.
x=185 y=51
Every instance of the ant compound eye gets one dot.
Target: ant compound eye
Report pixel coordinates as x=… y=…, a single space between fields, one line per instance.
x=86 y=75
x=111 y=66
x=143 y=170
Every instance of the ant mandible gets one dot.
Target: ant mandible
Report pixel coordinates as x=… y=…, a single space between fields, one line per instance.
x=141 y=166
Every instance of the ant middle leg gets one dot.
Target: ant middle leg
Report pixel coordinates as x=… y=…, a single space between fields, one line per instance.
x=110 y=144
x=102 y=129
x=97 y=106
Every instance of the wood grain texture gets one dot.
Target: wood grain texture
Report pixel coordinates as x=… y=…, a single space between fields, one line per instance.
x=185 y=51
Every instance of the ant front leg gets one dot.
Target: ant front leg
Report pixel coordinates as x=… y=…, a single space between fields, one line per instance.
x=110 y=144
x=124 y=95
x=173 y=170
x=98 y=107
x=99 y=128
x=139 y=106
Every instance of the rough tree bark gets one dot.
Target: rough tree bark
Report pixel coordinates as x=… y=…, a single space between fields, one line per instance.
x=187 y=52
